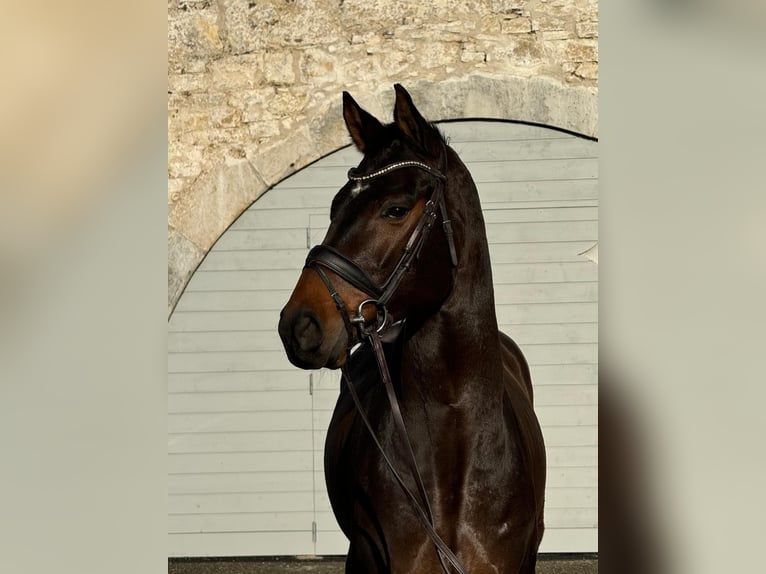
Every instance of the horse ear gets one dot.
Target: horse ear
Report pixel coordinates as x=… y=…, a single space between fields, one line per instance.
x=363 y=127
x=414 y=125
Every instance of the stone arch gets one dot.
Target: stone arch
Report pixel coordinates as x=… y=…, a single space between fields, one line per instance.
x=217 y=199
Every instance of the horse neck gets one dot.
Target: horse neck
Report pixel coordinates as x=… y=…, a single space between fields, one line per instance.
x=458 y=347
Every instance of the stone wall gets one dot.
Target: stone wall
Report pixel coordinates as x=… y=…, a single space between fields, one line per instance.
x=254 y=87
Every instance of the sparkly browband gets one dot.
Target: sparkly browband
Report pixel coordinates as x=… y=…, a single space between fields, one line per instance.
x=391 y=167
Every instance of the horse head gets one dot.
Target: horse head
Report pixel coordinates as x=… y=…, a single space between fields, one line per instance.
x=379 y=262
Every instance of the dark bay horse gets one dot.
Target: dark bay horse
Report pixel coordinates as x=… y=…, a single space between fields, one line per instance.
x=407 y=232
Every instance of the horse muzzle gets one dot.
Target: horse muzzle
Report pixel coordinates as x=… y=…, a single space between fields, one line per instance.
x=312 y=332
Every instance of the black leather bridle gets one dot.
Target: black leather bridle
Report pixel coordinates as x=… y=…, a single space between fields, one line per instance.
x=323 y=257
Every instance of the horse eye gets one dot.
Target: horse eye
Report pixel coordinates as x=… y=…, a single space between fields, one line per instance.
x=396 y=212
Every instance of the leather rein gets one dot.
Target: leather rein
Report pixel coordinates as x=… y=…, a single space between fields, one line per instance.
x=322 y=257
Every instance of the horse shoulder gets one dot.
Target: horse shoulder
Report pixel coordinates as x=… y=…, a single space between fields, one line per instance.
x=530 y=438
x=515 y=365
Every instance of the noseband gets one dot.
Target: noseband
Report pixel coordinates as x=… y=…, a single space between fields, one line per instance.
x=323 y=257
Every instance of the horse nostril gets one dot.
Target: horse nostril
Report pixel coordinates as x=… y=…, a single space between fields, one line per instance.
x=307 y=331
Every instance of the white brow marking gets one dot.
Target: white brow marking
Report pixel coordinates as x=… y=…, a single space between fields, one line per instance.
x=358 y=188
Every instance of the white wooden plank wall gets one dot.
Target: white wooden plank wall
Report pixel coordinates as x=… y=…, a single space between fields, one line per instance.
x=246 y=436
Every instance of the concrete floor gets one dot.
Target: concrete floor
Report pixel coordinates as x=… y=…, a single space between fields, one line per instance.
x=545 y=565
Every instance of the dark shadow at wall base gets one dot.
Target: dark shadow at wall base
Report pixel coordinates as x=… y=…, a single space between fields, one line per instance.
x=546 y=564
